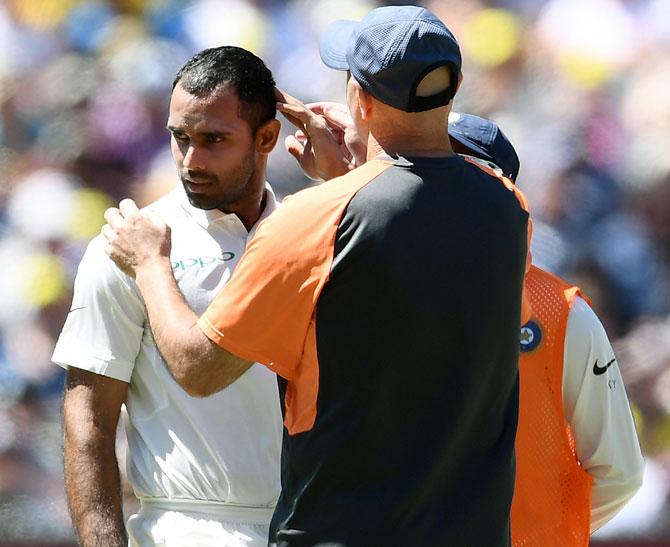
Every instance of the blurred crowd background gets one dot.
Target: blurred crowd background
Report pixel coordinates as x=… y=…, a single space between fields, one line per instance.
x=581 y=87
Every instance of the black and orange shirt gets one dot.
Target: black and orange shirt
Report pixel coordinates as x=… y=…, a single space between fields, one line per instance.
x=388 y=302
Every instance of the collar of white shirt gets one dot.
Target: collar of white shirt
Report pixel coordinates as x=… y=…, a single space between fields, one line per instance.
x=205 y=218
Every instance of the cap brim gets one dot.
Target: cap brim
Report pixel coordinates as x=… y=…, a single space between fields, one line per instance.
x=476 y=150
x=335 y=43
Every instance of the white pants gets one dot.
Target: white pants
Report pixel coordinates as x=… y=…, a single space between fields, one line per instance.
x=191 y=523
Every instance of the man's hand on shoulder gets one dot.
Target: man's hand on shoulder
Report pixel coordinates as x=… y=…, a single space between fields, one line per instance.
x=134 y=238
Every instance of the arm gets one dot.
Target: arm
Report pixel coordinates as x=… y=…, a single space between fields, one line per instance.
x=91 y=408
x=198 y=365
x=265 y=312
x=597 y=410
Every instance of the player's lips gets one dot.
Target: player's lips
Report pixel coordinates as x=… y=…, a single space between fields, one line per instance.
x=197 y=186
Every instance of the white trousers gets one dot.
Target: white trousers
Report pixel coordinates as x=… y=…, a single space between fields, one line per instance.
x=192 y=523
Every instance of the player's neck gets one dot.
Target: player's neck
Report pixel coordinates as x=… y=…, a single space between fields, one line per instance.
x=249 y=208
x=422 y=146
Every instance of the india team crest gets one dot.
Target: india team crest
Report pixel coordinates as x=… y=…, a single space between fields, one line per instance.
x=531 y=336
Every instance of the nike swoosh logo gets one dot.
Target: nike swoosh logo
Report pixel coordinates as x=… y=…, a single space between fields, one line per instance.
x=75 y=309
x=601 y=370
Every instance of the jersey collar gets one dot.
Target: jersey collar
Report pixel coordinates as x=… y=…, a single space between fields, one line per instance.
x=206 y=218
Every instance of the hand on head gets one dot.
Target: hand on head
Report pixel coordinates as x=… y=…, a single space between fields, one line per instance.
x=326 y=144
x=135 y=238
x=339 y=121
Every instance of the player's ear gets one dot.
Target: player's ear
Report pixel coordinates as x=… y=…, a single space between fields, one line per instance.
x=267 y=135
x=364 y=102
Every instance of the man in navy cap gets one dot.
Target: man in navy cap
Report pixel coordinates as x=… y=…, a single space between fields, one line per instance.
x=573 y=402
x=388 y=301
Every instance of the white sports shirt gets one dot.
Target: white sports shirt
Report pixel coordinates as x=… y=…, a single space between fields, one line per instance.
x=596 y=407
x=225 y=447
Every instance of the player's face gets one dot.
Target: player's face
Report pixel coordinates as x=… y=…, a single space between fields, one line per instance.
x=214 y=150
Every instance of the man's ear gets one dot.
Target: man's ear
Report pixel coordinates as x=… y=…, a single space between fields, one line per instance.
x=365 y=102
x=267 y=135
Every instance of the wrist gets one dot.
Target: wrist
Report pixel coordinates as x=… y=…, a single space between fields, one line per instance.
x=150 y=271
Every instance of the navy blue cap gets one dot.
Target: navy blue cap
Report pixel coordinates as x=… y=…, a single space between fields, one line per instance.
x=485 y=140
x=390 y=51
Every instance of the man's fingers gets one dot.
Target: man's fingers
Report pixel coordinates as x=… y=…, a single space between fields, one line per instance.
x=294 y=147
x=110 y=236
x=280 y=96
x=300 y=116
x=338 y=117
x=292 y=119
x=318 y=107
x=336 y=114
x=108 y=233
x=283 y=97
x=128 y=207
x=298 y=113
x=113 y=217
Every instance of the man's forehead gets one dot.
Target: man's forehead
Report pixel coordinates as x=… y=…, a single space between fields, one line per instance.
x=220 y=95
x=221 y=107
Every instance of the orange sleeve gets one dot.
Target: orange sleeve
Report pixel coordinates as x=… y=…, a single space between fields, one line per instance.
x=263 y=314
x=264 y=311
x=526 y=308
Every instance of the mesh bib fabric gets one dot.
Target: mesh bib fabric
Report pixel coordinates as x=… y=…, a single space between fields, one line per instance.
x=551 y=505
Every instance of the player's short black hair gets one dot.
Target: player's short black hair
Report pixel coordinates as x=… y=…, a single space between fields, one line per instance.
x=232 y=66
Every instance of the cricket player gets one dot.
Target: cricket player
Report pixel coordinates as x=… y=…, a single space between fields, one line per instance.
x=577 y=451
x=206 y=470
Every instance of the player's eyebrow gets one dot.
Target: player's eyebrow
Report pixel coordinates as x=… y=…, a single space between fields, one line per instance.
x=214 y=133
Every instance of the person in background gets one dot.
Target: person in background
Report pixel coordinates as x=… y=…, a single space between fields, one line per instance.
x=577 y=451
x=388 y=300
x=206 y=471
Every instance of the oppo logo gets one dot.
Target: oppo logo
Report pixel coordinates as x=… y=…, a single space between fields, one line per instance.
x=201 y=261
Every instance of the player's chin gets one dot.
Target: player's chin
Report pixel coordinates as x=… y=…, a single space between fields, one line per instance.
x=201 y=201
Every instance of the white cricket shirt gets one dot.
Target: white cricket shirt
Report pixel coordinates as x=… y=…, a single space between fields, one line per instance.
x=596 y=407
x=225 y=447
